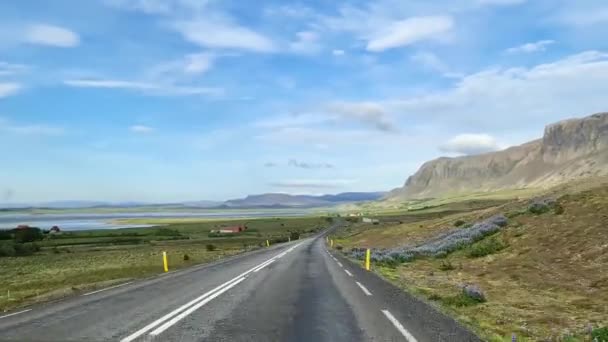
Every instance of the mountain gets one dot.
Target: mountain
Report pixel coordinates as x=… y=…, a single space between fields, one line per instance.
x=569 y=149
x=279 y=200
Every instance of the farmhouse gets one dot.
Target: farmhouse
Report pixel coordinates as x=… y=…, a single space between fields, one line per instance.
x=230 y=229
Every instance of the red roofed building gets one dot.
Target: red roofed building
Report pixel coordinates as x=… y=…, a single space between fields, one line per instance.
x=232 y=230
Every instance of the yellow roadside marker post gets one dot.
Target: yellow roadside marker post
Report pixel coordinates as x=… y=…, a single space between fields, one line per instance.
x=165 y=262
x=289 y=239
x=267 y=243
x=367 y=259
x=331 y=244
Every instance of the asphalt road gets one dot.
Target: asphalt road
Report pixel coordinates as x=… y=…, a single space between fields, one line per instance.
x=296 y=291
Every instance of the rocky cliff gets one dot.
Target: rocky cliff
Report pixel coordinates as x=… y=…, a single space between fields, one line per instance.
x=568 y=149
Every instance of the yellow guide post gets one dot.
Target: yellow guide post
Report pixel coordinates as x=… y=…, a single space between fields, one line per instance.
x=165 y=263
x=289 y=239
x=267 y=243
x=331 y=243
x=367 y=257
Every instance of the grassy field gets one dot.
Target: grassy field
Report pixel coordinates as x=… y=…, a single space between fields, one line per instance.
x=72 y=262
x=545 y=276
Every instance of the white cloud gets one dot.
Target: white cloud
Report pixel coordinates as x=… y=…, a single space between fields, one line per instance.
x=509 y=98
x=146 y=87
x=221 y=33
x=584 y=16
x=538 y=46
x=141 y=129
x=408 y=31
x=8 y=89
x=307 y=42
x=50 y=35
x=338 y=52
x=470 y=144
x=308 y=165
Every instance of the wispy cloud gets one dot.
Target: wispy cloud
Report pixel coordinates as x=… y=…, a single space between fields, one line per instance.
x=432 y=62
x=141 y=129
x=312 y=183
x=308 y=165
x=145 y=87
x=538 y=46
x=409 y=31
x=9 y=88
x=9 y=69
x=306 y=42
x=10 y=127
x=223 y=33
x=44 y=34
x=369 y=113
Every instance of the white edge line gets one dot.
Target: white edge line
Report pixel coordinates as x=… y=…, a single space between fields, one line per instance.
x=159 y=321
x=409 y=337
x=348 y=272
x=107 y=288
x=179 y=317
x=365 y=290
x=339 y=263
x=16 y=313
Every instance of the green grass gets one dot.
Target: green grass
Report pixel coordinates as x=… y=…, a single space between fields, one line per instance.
x=83 y=260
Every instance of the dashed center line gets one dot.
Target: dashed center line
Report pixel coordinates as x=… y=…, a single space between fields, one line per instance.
x=364 y=289
x=348 y=272
x=15 y=313
x=408 y=337
x=339 y=263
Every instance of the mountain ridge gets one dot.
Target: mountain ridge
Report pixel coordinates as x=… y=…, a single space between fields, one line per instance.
x=569 y=149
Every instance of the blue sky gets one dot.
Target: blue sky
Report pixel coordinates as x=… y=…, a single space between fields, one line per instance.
x=175 y=100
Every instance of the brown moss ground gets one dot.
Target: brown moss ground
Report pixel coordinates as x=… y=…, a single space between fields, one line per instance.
x=550 y=282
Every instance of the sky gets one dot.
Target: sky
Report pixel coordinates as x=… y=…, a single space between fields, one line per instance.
x=181 y=100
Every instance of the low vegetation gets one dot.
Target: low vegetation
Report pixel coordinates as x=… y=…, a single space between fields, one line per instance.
x=544 y=276
x=60 y=264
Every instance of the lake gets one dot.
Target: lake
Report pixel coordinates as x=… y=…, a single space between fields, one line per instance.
x=89 y=221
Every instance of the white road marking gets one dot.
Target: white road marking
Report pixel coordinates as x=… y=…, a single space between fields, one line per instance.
x=339 y=263
x=198 y=300
x=268 y=263
x=179 y=317
x=348 y=272
x=365 y=290
x=15 y=313
x=107 y=288
x=408 y=337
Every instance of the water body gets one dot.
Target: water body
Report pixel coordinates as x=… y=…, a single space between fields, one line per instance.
x=89 y=221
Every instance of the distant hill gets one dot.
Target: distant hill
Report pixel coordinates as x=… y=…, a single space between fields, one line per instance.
x=568 y=150
x=270 y=201
x=279 y=200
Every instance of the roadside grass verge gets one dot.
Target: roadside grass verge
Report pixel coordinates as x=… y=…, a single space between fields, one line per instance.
x=73 y=262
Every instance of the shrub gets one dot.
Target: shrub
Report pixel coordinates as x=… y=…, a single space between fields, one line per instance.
x=434 y=296
x=459 y=300
x=166 y=232
x=5 y=235
x=294 y=236
x=600 y=334
x=541 y=206
x=446 y=266
x=459 y=223
x=210 y=247
x=339 y=247
x=186 y=257
x=558 y=210
x=7 y=250
x=474 y=292
x=486 y=247
x=28 y=235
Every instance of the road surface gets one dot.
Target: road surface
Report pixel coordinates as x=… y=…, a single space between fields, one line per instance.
x=296 y=291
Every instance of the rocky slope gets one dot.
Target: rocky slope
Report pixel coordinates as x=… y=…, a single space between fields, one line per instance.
x=568 y=150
